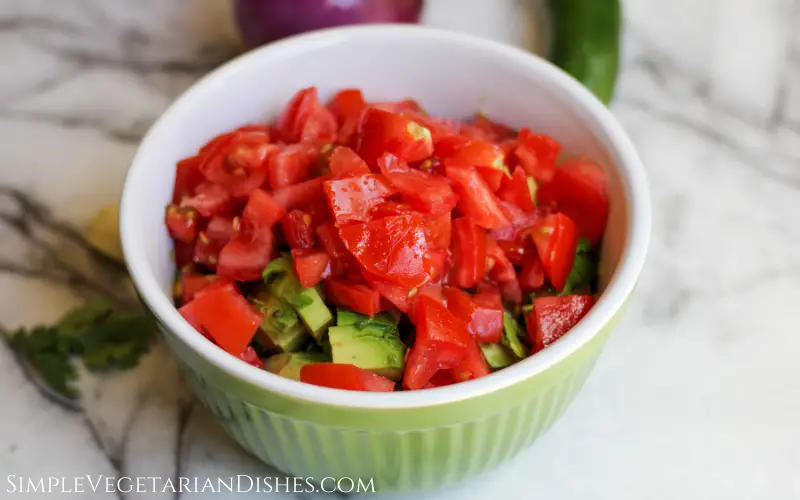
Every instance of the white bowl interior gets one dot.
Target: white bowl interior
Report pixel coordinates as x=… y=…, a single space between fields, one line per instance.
x=450 y=75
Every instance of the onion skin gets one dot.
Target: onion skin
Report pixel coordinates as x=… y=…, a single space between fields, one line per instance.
x=263 y=21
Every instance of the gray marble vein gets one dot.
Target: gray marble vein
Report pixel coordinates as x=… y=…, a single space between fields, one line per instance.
x=696 y=395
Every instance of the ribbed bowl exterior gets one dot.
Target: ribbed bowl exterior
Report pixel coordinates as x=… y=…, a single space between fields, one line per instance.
x=401 y=450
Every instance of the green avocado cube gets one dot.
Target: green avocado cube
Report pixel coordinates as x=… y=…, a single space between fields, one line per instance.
x=288 y=364
x=371 y=345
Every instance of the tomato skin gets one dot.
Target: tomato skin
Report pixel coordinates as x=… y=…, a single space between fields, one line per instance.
x=347 y=106
x=382 y=131
x=181 y=223
x=556 y=239
x=515 y=190
x=389 y=163
x=552 y=317
x=347 y=377
x=187 y=178
x=537 y=154
x=473 y=365
x=344 y=162
x=298 y=195
x=209 y=200
x=425 y=192
x=352 y=199
x=500 y=268
x=441 y=342
x=304 y=118
x=468 y=250
x=292 y=164
x=394 y=248
x=482 y=313
x=353 y=296
x=239 y=163
x=227 y=317
x=298 y=229
x=578 y=189
x=250 y=356
x=476 y=200
x=311 y=265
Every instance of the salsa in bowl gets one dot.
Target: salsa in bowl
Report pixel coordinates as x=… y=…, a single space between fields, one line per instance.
x=373 y=246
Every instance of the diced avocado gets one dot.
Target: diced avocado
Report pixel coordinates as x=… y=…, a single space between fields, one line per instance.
x=345 y=317
x=498 y=356
x=510 y=339
x=315 y=315
x=371 y=345
x=289 y=364
x=281 y=329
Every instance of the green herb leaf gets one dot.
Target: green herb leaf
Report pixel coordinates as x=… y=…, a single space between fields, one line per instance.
x=584 y=270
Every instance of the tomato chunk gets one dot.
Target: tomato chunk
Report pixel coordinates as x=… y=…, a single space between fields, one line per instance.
x=353 y=296
x=556 y=239
x=239 y=163
x=352 y=199
x=500 y=268
x=425 y=192
x=482 y=313
x=441 y=342
x=385 y=132
x=222 y=228
x=537 y=154
x=344 y=162
x=292 y=164
x=476 y=200
x=209 y=200
x=394 y=248
x=473 y=365
x=516 y=190
x=389 y=163
x=578 y=189
x=301 y=194
x=532 y=275
x=192 y=283
x=311 y=265
x=469 y=253
x=187 y=178
x=182 y=223
x=227 y=317
x=305 y=119
x=347 y=377
x=399 y=296
x=552 y=317
x=298 y=229
x=250 y=356
x=347 y=106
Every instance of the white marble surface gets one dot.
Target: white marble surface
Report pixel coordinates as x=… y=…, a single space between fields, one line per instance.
x=697 y=394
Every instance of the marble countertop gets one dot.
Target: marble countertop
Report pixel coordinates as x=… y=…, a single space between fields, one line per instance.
x=697 y=394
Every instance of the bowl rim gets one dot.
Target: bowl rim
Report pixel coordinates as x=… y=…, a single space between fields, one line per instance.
x=589 y=108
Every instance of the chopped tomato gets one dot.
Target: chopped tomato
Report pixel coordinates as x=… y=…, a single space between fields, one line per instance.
x=556 y=239
x=440 y=379
x=537 y=154
x=341 y=259
x=531 y=277
x=438 y=230
x=389 y=163
x=292 y=164
x=476 y=200
x=301 y=194
x=520 y=222
x=222 y=228
x=250 y=356
x=511 y=290
x=311 y=265
x=515 y=190
x=227 y=317
x=474 y=153
x=184 y=253
x=578 y=189
x=482 y=313
x=399 y=296
x=440 y=265
x=425 y=192
x=500 y=268
x=209 y=200
x=514 y=250
x=473 y=365
x=262 y=210
x=492 y=177
x=469 y=253
x=552 y=317
x=347 y=377
x=239 y=164
x=182 y=223
x=385 y=132
x=404 y=106
x=305 y=119
x=297 y=229
x=481 y=127
x=352 y=199
x=347 y=106
x=353 y=296
x=441 y=342
x=344 y=162
x=191 y=283
x=206 y=251
x=187 y=178
x=394 y=248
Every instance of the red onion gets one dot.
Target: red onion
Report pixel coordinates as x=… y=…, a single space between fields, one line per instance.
x=262 y=21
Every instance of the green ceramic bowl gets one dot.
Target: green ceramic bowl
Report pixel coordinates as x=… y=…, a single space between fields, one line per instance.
x=408 y=440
